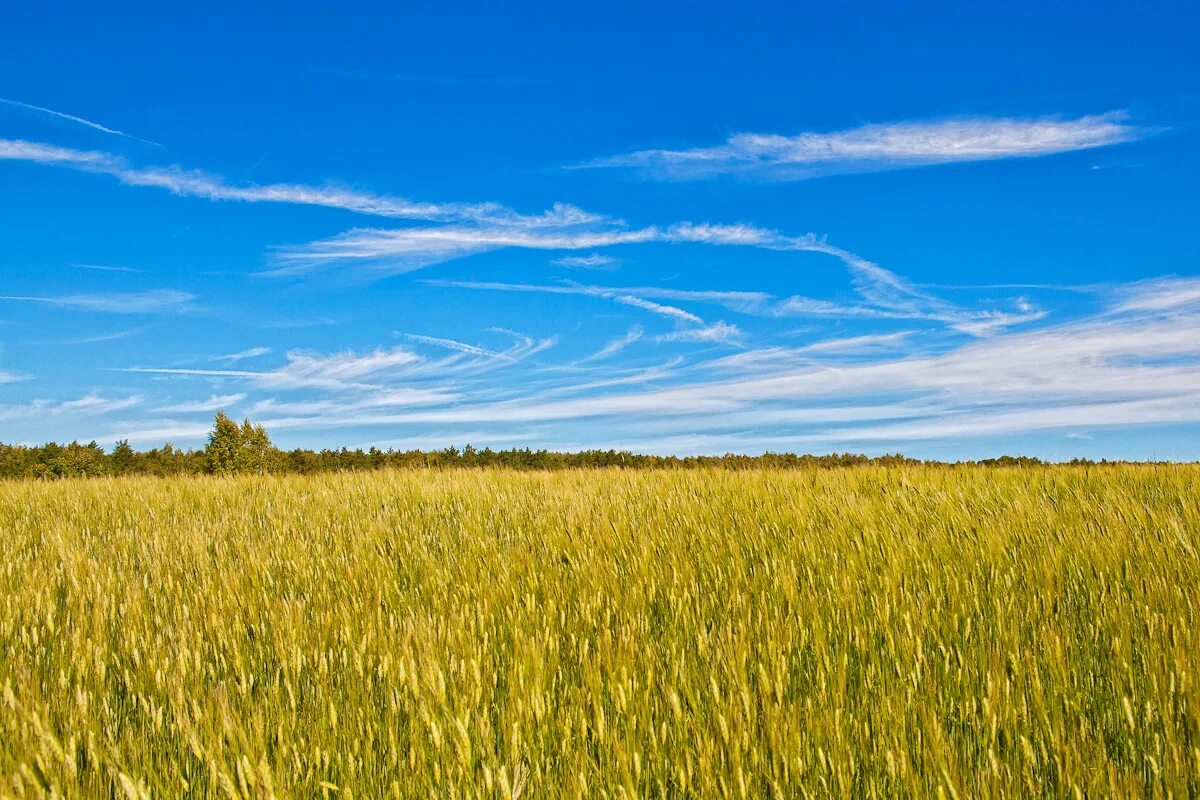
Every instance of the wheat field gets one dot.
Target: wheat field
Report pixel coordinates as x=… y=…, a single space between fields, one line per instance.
x=860 y=632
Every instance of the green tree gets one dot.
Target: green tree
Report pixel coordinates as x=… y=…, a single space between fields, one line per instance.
x=234 y=448
x=256 y=453
x=122 y=458
x=224 y=443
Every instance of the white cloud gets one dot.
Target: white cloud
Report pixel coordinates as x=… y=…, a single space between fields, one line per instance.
x=394 y=251
x=103 y=268
x=858 y=344
x=886 y=296
x=617 y=344
x=621 y=378
x=468 y=360
x=242 y=355
x=1167 y=294
x=213 y=403
x=87 y=123
x=625 y=297
x=882 y=147
x=591 y=261
x=97 y=338
x=990 y=422
x=671 y=312
x=714 y=333
x=372 y=374
x=787 y=357
x=154 y=301
x=387 y=251
x=884 y=293
x=339 y=369
x=162 y=432
x=459 y=347
x=386 y=398
x=345 y=370
x=1119 y=367
x=87 y=160
x=196 y=183
x=90 y=405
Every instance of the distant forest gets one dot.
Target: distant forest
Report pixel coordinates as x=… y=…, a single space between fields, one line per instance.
x=247 y=449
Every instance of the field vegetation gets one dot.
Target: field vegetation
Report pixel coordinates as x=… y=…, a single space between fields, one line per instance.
x=865 y=631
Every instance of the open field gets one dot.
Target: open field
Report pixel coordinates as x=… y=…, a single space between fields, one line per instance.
x=867 y=631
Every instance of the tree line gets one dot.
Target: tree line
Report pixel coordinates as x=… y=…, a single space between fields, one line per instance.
x=234 y=449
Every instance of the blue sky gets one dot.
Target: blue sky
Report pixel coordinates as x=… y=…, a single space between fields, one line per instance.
x=952 y=232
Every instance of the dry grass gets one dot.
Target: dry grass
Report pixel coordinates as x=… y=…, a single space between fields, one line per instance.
x=862 y=632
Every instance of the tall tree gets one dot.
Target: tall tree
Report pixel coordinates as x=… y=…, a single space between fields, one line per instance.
x=256 y=453
x=224 y=444
x=122 y=459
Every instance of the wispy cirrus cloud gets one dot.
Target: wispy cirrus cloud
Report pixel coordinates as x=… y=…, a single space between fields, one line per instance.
x=873 y=148
x=364 y=372
x=469 y=359
x=479 y=228
x=1161 y=295
x=95 y=338
x=590 y=261
x=1134 y=361
x=154 y=301
x=885 y=294
x=617 y=344
x=395 y=251
x=103 y=268
x=457 y=346
x=90 y=405
x=242 y=355
x=1088 y=362
x=867 y=343
x=389 y=251
x=87 y=123
x=401 y=397
x=715 y=333
x=632 y=298
x=212 y=403
x=670 y=312
x=205 y=185
x=344 y=370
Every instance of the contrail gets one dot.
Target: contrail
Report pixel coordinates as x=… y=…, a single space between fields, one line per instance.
x=79 y=120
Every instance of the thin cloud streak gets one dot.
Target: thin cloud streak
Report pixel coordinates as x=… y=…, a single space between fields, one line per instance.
x=616 y=345
x=456 y=346
x=886 y=295
x=622 y=296
x=593 y=261
x=90 y=405
x=242 y=355
x=345 y=370
x=87 y=123
x=154 y=301
x=103 y=268
x=874 y=148
x=204 y=185
x=717 y=333
x=213 y=403
x=97 y=339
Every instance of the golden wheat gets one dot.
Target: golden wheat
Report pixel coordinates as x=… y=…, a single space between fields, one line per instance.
x=866 y=632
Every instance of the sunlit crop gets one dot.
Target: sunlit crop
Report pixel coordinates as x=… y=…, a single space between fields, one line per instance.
x=858 y=632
